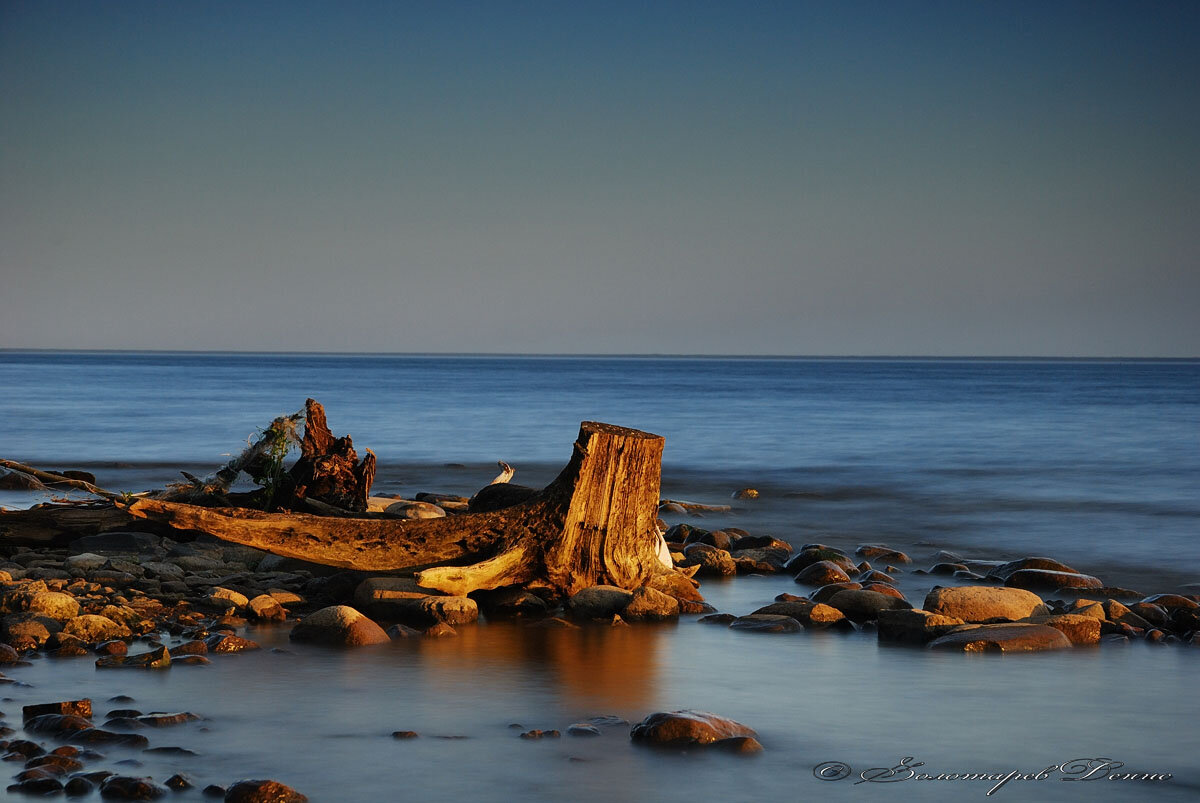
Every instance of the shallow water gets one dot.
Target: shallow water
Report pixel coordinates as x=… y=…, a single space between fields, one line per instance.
x=1094 y=463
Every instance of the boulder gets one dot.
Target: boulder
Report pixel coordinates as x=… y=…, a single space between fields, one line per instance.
x=28 y=628
x=687 y=728
x=93 y=628
x=806 y=612
x=712 y=562
x=985 y=603
x=1116 y=612
x=78 y=708
x=265 y=608
x=1018 y=637
x=229 y=643
x=816 y=553
x=53 y=604
x=1049 y=580
x=882 y=553
x=155 y=659
x=821 y=573
x=914 y=626
x=1005 y=570
x=84 y=562
x=126 y=787
x=649 y=604
x=674 y=584
x=223 y=598
x=824 y=593
x=766 y=623
x=864 y=606
x=338 y=626
x=598 y=602
x=1080 y=630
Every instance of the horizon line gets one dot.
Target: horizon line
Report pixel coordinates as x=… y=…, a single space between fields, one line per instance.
x=606 y=355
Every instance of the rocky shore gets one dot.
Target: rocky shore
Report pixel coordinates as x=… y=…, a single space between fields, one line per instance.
x=137 y=601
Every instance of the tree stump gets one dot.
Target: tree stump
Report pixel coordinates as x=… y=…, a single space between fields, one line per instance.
x=594 y=524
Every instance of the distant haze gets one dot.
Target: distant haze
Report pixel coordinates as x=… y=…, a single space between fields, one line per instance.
x=972 y=178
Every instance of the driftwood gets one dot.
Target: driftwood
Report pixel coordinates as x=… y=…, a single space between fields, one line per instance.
x=595 y=523
x=57 y=525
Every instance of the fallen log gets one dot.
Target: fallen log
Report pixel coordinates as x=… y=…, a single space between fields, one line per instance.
x=57 y=525
x=594 y=524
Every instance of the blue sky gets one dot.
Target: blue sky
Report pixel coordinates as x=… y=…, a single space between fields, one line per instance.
x=722 y=178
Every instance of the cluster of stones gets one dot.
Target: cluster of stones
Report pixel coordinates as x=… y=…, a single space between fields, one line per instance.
x=971 y=618
x=51 y=770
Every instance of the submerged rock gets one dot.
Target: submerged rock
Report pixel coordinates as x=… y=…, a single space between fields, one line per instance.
x=822 y=573
x=256 y=791
x=1017 y=637
x=863 y=605
x=686 y=728
x=598 y=602
x=125 y=787
x=155 y=659
x=766 y=623
x=914 y=626
x=648 y=604
x=1049 y=580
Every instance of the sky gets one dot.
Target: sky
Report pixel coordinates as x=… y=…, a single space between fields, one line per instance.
x=794 y=178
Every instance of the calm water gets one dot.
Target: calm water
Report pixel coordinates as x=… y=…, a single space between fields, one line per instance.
x=1096 y=463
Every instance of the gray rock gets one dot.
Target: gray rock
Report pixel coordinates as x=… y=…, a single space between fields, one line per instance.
x=123 y=542
x=598 y=602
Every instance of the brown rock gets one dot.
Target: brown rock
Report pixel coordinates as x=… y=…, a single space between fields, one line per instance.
x=676 y=585
x=1050 y=580
x=125 y=787
x=339 y=626
x=882 y=553
x=229 y=643
x=863 y=605
x=649 y=604
x=598 y=602
x=984 y=603
x=766 y=623
x=822 y=573
x=1017 y=637
x=914 y=626
x=253 y=791
x=79 y=708
x=1081 y=630
x=93 y=628
x=687 y=727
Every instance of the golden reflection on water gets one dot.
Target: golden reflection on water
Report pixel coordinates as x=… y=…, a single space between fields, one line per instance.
x=595 y=666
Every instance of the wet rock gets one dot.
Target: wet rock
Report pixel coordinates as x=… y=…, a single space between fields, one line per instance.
x=61 y=764
x=947 y=569
x=686 y=728
x=984 y=603
x=178 y=782
x=399 y=631
x=101 y=736
x=192 y=660
x=253 y=791
x=882 y=553
x=716 y=538
x=1049 y=580
x=862 y=605
x=1154 y=614
x=440 y=630
x=85 y=561
x=448 y=610
x=822 y=573
x=509 y=602
x=93 y=628
x=155 y=659
x=648 y=604
x=745 y=493
x=766 y=623
x=738 y=745
x=229 y=643
x=8 y=655
x=405 y=735
x=161 y=720
x=914 y=626
x=1080 y=630
x=126 y=787
x=78 y=787
x=57 y=724
x=676 y=585
x=78 y=708
x=265 y=608
x=114 y=647
x=1173 y=601
x=1006 y=570
x=598 y=602
x=826 y=592
x=224 y=598
x=582 y=729
x=212 y=790
x=886 y=589
x=808 y=613
x=816 y=553
x=712 y=562
x=1116 y=612
x=338 y=626
x=717 y=619
x=379 y=595
x=872 y=576
x=1017 y=637
x=25 y=748
x=540 y=734
x=37 y=786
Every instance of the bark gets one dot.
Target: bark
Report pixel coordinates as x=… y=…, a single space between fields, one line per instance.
x=58 y=525
x=595 y=523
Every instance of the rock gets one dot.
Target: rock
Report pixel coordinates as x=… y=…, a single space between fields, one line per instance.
x=43 y=787
x=137 y=543
x=1016 y=637
x=509 y=602
x=539 y=734
x=338 y=626
x=1050 y=580
x=582 y=729
x=1116 y=612
x=816 y=553
x=405 y=735
x=649 y=604
x=766 y=542
x=1154 y=614
x=249 y=791
x=57 y=724
x=53 y=604
x=13 y=480
x=1005 y=570
x=712 y=562
x=738 y=745
x=912 y=626
x=808 y=613
x=78 y=708
x=868 y=576
x=223 y=598
x=399 y=631
x=33 y=628
x=826 y=592
x=229 y=643
x=1088 y=607
x=676 y=585
x=125 y=787
x=94 y=629
x=178 y=782
x=717 y=619
x=265 y=608
x=716 y=538
x=449 y=610
x=167 y=720
x=947 y=569
x=1080 y=630
x=984 y=603
x=155 y=659
x=1172 y=601
x=598 y=602
x=440 y=630
x=85 y=561
x=414 y=510
x=822 y=573
x=686 y=728
x=882 y=553
x=193 y=647
x=389 y=597
x=745 y=493
x=8 y=655
x=766 y=623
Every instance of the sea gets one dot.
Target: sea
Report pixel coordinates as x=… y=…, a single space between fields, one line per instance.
x=1092 y=462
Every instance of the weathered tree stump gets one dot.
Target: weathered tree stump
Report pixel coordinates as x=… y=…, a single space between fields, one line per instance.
x=328 y=469
x=595 y=523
